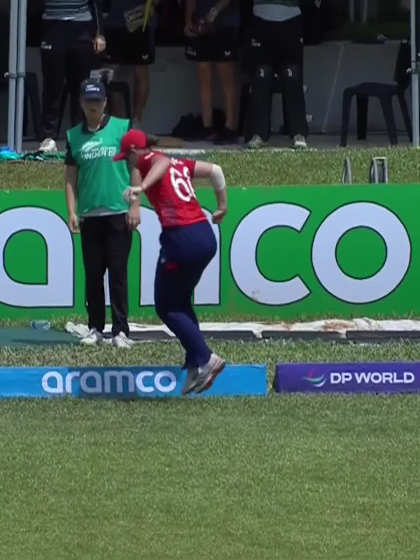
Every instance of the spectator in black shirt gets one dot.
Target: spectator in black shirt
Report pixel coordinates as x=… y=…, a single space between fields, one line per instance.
x=72 y=38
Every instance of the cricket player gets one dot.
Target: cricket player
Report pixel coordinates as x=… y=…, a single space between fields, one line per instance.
x=188 y=244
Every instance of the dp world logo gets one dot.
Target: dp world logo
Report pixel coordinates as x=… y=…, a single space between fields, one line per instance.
x=315 y=380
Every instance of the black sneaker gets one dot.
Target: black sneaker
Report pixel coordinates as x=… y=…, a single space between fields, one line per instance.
x=226 y=136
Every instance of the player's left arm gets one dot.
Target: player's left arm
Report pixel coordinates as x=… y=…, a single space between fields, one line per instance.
x=213 y=172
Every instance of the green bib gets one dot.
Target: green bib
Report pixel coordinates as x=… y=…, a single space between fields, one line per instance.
x=100 y=181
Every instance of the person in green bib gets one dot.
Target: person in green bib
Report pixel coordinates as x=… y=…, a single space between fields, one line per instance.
x=94 y=187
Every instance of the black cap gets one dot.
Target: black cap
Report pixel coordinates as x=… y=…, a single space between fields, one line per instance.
x=93 y=89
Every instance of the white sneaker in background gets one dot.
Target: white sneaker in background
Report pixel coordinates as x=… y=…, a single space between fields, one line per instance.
x=255 y=142
x=94 y=337
x=299 y=142
x=121 y=340
x=48 y=146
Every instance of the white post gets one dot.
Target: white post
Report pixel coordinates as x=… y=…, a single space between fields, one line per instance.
x=21 y=70
x=12 y=73
x=414 y=75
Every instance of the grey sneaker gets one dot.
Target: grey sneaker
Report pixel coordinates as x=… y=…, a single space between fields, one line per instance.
x=121 y=340
x=191 y=381
x=299 y=142
x=208 y=373
x=255 y=143
x=94 y=337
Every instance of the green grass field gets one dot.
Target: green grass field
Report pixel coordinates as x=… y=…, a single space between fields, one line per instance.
x=284 y=477
x=244 y=168
x=294 y=477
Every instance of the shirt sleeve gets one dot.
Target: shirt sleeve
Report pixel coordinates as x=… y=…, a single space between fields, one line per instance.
x=190 y=164
x=69 y=159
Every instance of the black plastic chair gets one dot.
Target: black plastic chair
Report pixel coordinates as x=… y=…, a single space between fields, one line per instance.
x=385 y=93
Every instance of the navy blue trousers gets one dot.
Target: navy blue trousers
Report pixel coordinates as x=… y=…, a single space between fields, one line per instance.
x=185 y=253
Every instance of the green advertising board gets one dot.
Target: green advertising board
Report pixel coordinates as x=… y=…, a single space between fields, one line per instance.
x=286 y=252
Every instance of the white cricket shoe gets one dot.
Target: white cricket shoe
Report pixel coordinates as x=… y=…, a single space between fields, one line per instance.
x=121 y=340
x=48 y=146
x=94 y=337
x=299 y=142
x=255 y=143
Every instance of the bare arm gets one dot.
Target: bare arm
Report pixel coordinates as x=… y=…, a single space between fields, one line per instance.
x=71 y=197
x=133 y=214
x=156 y=172
x=214 y=173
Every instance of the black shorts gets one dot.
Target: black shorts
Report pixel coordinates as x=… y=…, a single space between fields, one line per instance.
x=123 y=47
x=220 y=46
x=278 y=44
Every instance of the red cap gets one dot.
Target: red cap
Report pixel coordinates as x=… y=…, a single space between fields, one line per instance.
x=133 y=139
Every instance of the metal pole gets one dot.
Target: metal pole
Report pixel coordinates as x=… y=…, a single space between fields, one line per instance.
x=415 y=59
x=21 y=69
x=12 y=73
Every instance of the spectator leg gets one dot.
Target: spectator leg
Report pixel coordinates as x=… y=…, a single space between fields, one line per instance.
x=204 y=70
x=81 y=60
x=141 y=90
x=53 y=62
x=33 y=94
x=294 y=100
x=260 y=101
x=227 y=76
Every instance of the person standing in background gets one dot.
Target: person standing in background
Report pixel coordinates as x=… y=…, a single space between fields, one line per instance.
x=130 y=35
x=275 y=51
x=95 y=185
x=212 y=35
x=72 y=39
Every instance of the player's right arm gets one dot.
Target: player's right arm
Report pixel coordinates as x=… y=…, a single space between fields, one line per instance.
x=71 y=197
x=213 y=172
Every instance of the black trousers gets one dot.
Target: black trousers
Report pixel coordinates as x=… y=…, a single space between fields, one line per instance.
x=67 y=57
x=106 y=243
x=275 y=53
